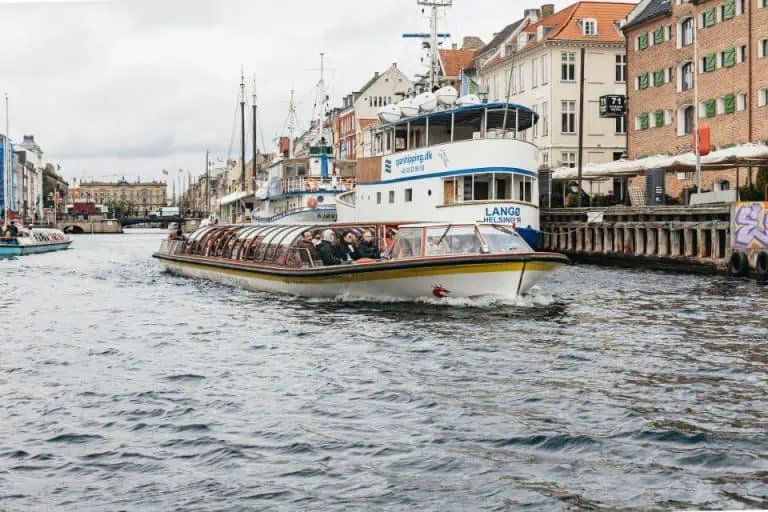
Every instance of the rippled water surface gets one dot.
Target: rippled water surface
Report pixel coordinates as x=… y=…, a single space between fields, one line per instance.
x=124 y=388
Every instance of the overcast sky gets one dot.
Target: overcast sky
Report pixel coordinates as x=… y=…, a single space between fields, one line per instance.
x=113 y=88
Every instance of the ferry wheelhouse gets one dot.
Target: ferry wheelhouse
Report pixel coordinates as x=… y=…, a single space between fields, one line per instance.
x=34 y=241
x=459 y=260
x=463 y=164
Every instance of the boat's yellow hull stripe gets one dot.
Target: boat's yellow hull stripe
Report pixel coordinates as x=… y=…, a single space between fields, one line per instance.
x=377 y=275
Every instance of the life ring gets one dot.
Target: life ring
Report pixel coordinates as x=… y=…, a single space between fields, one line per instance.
x=739 y=265
x=312 y=202
x=761 y=265
x=310 y=185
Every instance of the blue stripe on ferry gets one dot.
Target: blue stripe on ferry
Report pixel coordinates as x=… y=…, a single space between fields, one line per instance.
x=512 y=170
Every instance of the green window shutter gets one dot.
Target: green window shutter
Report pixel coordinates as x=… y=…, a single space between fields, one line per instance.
x=644 y=121
x=658 y=35
x=710 y=108
x=658 y=78
x=643 y=81
x=643 y=43
x=709 y=17
x=710 y=63
x=730 y=10
x=729 y=58
x=730 y=104
x=659 y=114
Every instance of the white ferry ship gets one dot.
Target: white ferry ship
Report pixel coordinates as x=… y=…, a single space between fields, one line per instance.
x=33 y=241
x=461 y=164
x=441 y=158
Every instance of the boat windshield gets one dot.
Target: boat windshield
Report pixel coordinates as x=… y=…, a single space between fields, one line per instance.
x=407 y=244
x=458 y=240
x=503 y=239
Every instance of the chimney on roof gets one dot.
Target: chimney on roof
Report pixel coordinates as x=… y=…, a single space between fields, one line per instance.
x=394 y=64
x=532 y=15
x=547 y=10
x=472 y=43
x=376 y=73
x=454 y=46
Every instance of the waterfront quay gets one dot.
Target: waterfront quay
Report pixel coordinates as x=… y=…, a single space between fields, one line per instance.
x=701 y=239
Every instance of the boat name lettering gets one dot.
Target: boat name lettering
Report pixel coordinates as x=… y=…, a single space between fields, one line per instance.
x=418 y=158
x=502 y=215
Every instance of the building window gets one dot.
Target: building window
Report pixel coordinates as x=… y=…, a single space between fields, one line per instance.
x=762 y=48
x=642 y=41
x=642 y=82
x=544 y=119
x=521 y=76
x=762 y=96
x=740 y=7
x=686 y=32
x=391 y=197
x=590 y=27
x=621 y=125
x=687 y=76
x=569 y=159
x=568 y=67
x=741 y=55
x=536 y=126
x=762 y=3
x=727 y=10
x=544 y=69
x=621 y=68
x=685 y=120
x=741 y=102
x=568 y=116
x=545 y=159
x=408 y=195
x=378 y=197
x=535 y=70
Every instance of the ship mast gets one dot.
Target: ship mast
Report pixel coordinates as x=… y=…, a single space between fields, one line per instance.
x=434 y=36
x=291 y=116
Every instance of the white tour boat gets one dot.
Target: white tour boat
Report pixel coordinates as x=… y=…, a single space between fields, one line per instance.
x=417 y=261
x=34 y=241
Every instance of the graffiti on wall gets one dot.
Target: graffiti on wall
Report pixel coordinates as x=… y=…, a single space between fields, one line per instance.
x=750 y=225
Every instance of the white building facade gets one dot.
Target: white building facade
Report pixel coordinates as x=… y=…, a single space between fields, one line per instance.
x=541 y=68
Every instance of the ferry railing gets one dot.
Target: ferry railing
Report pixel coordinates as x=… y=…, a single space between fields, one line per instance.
x=312 y=184
x=172 y=247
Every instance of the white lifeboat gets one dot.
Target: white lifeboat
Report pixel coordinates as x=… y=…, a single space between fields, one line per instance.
x=389 y=113
x=447 y=95
x=426 y=101
x=469 y=99
x=408 y=107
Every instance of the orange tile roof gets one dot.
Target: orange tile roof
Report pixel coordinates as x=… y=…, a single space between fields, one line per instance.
x=564 y=25
x=454 y=61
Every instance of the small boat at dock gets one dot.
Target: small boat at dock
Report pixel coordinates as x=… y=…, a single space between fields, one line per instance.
x=34 y=241
x=461 y=260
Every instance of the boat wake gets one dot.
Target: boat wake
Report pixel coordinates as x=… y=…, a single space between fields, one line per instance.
x=525 y=301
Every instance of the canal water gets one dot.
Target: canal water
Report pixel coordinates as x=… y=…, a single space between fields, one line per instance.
x=124 y=388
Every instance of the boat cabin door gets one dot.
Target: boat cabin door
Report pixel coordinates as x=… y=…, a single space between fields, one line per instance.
x=449 y=192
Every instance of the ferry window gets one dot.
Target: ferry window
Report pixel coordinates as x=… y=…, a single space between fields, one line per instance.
x=503 y=186
x=467 y=126
x=391 y=196
x=439 y=130
x=418 y=136
x=452 y=240
x=407 y=244
x=378 y=197
x=301 y=171
x=408 y=195
x=401 y=138
x=526 y=187
x=481 y=188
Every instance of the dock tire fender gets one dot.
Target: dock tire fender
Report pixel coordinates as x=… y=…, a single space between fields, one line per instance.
x=761 y=265
x=739 y=265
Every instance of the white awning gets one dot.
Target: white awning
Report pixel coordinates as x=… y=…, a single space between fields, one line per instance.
x=234 y=197
x=742 y=155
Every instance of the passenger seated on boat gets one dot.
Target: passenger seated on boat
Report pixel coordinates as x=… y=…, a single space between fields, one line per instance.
x=306 y=246
x=325 y=249
x=348 y=247
x=11 y=231
x=367 y=247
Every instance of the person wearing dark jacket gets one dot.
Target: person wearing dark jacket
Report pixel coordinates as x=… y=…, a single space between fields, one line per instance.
x=348 y=247
x=326 y=249
x=367 y=247
x=12 y=230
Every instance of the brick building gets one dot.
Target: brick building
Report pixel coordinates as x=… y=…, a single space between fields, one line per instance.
x=138 y=198
x=714 y=49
